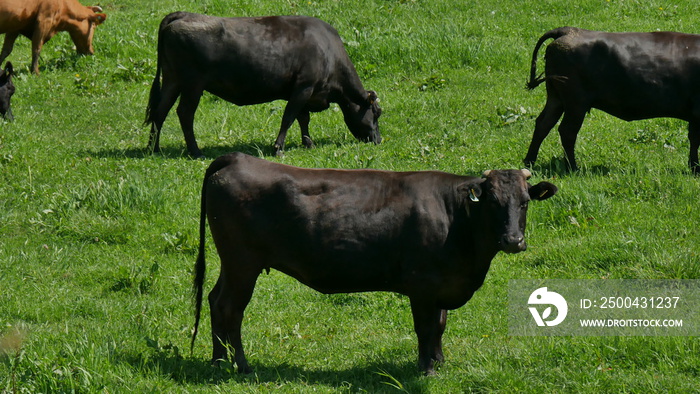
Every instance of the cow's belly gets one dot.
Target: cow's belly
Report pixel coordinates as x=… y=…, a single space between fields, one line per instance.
x=341 y=273
x=246 y=92
x=634 y=113
x=644 y=103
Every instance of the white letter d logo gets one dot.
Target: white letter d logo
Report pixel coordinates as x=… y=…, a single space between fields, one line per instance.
x=543 y=297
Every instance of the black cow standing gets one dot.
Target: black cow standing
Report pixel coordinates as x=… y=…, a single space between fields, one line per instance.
x=629 y=75
x=256 y=60
x=7 y=89
x=428 y=235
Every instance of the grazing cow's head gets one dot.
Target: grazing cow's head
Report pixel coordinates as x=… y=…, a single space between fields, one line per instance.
x=503 y=197
x=7 y=89
x=363 y=119
x=82 y=29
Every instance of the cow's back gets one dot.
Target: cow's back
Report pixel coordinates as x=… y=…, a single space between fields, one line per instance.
x=249 y=60
x=18 y=15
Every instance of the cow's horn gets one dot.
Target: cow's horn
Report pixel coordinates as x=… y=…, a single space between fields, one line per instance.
x=96 y=8
x=527 y=173
x=485 y=173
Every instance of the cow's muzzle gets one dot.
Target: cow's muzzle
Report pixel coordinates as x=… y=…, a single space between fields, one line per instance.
x=513 y=244
x=374 y=137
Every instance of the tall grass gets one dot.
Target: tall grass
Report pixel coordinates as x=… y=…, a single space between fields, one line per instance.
x=98 y=237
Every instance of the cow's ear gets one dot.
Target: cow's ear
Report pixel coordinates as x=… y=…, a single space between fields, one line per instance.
x=5 y=76
x=371 y=97
x=542 y=191
x=470 y=190
x=98 y=18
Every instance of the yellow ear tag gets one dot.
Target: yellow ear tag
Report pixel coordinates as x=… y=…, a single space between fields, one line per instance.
x=544 y=193
x=472 y=196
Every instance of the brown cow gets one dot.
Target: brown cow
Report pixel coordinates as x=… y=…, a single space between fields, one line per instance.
x=428 y=235
x=39 y=20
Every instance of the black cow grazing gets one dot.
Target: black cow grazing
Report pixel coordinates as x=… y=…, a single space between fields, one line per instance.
x=7 y=89
x=628 y=75
x=428 y=235
x=256 y=60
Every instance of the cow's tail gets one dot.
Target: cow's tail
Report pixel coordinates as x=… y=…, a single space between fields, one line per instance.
x=154 y=97
x=536 y=80
x=200 y=265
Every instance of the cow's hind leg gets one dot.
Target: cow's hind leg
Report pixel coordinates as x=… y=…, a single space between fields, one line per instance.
x=694 y=138
x=545 y=122
x=7 y=45
x=568 y=132
x=168 y=96
x=189 y=101
x=429 y=323
x=227 y=302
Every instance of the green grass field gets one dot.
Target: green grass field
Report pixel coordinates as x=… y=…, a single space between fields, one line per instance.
x=98 y=237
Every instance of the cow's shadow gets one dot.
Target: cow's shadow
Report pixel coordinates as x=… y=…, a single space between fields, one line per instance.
x=559 y=167
x=260 y=148
x=188 y=371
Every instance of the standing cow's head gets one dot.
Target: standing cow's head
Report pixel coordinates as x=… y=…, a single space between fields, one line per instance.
x=82 y=29
x=362 y=118
x=502 y=197
x=7 y=89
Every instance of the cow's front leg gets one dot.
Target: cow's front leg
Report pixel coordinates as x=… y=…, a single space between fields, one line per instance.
x=429 y=323
x=293 y=109
x=694 y=138
x=304 y=118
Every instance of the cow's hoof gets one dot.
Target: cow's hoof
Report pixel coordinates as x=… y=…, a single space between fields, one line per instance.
x=307 y=142
x=245 y=370
x=278 y=151
x=430 y=372
x=243 y=367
